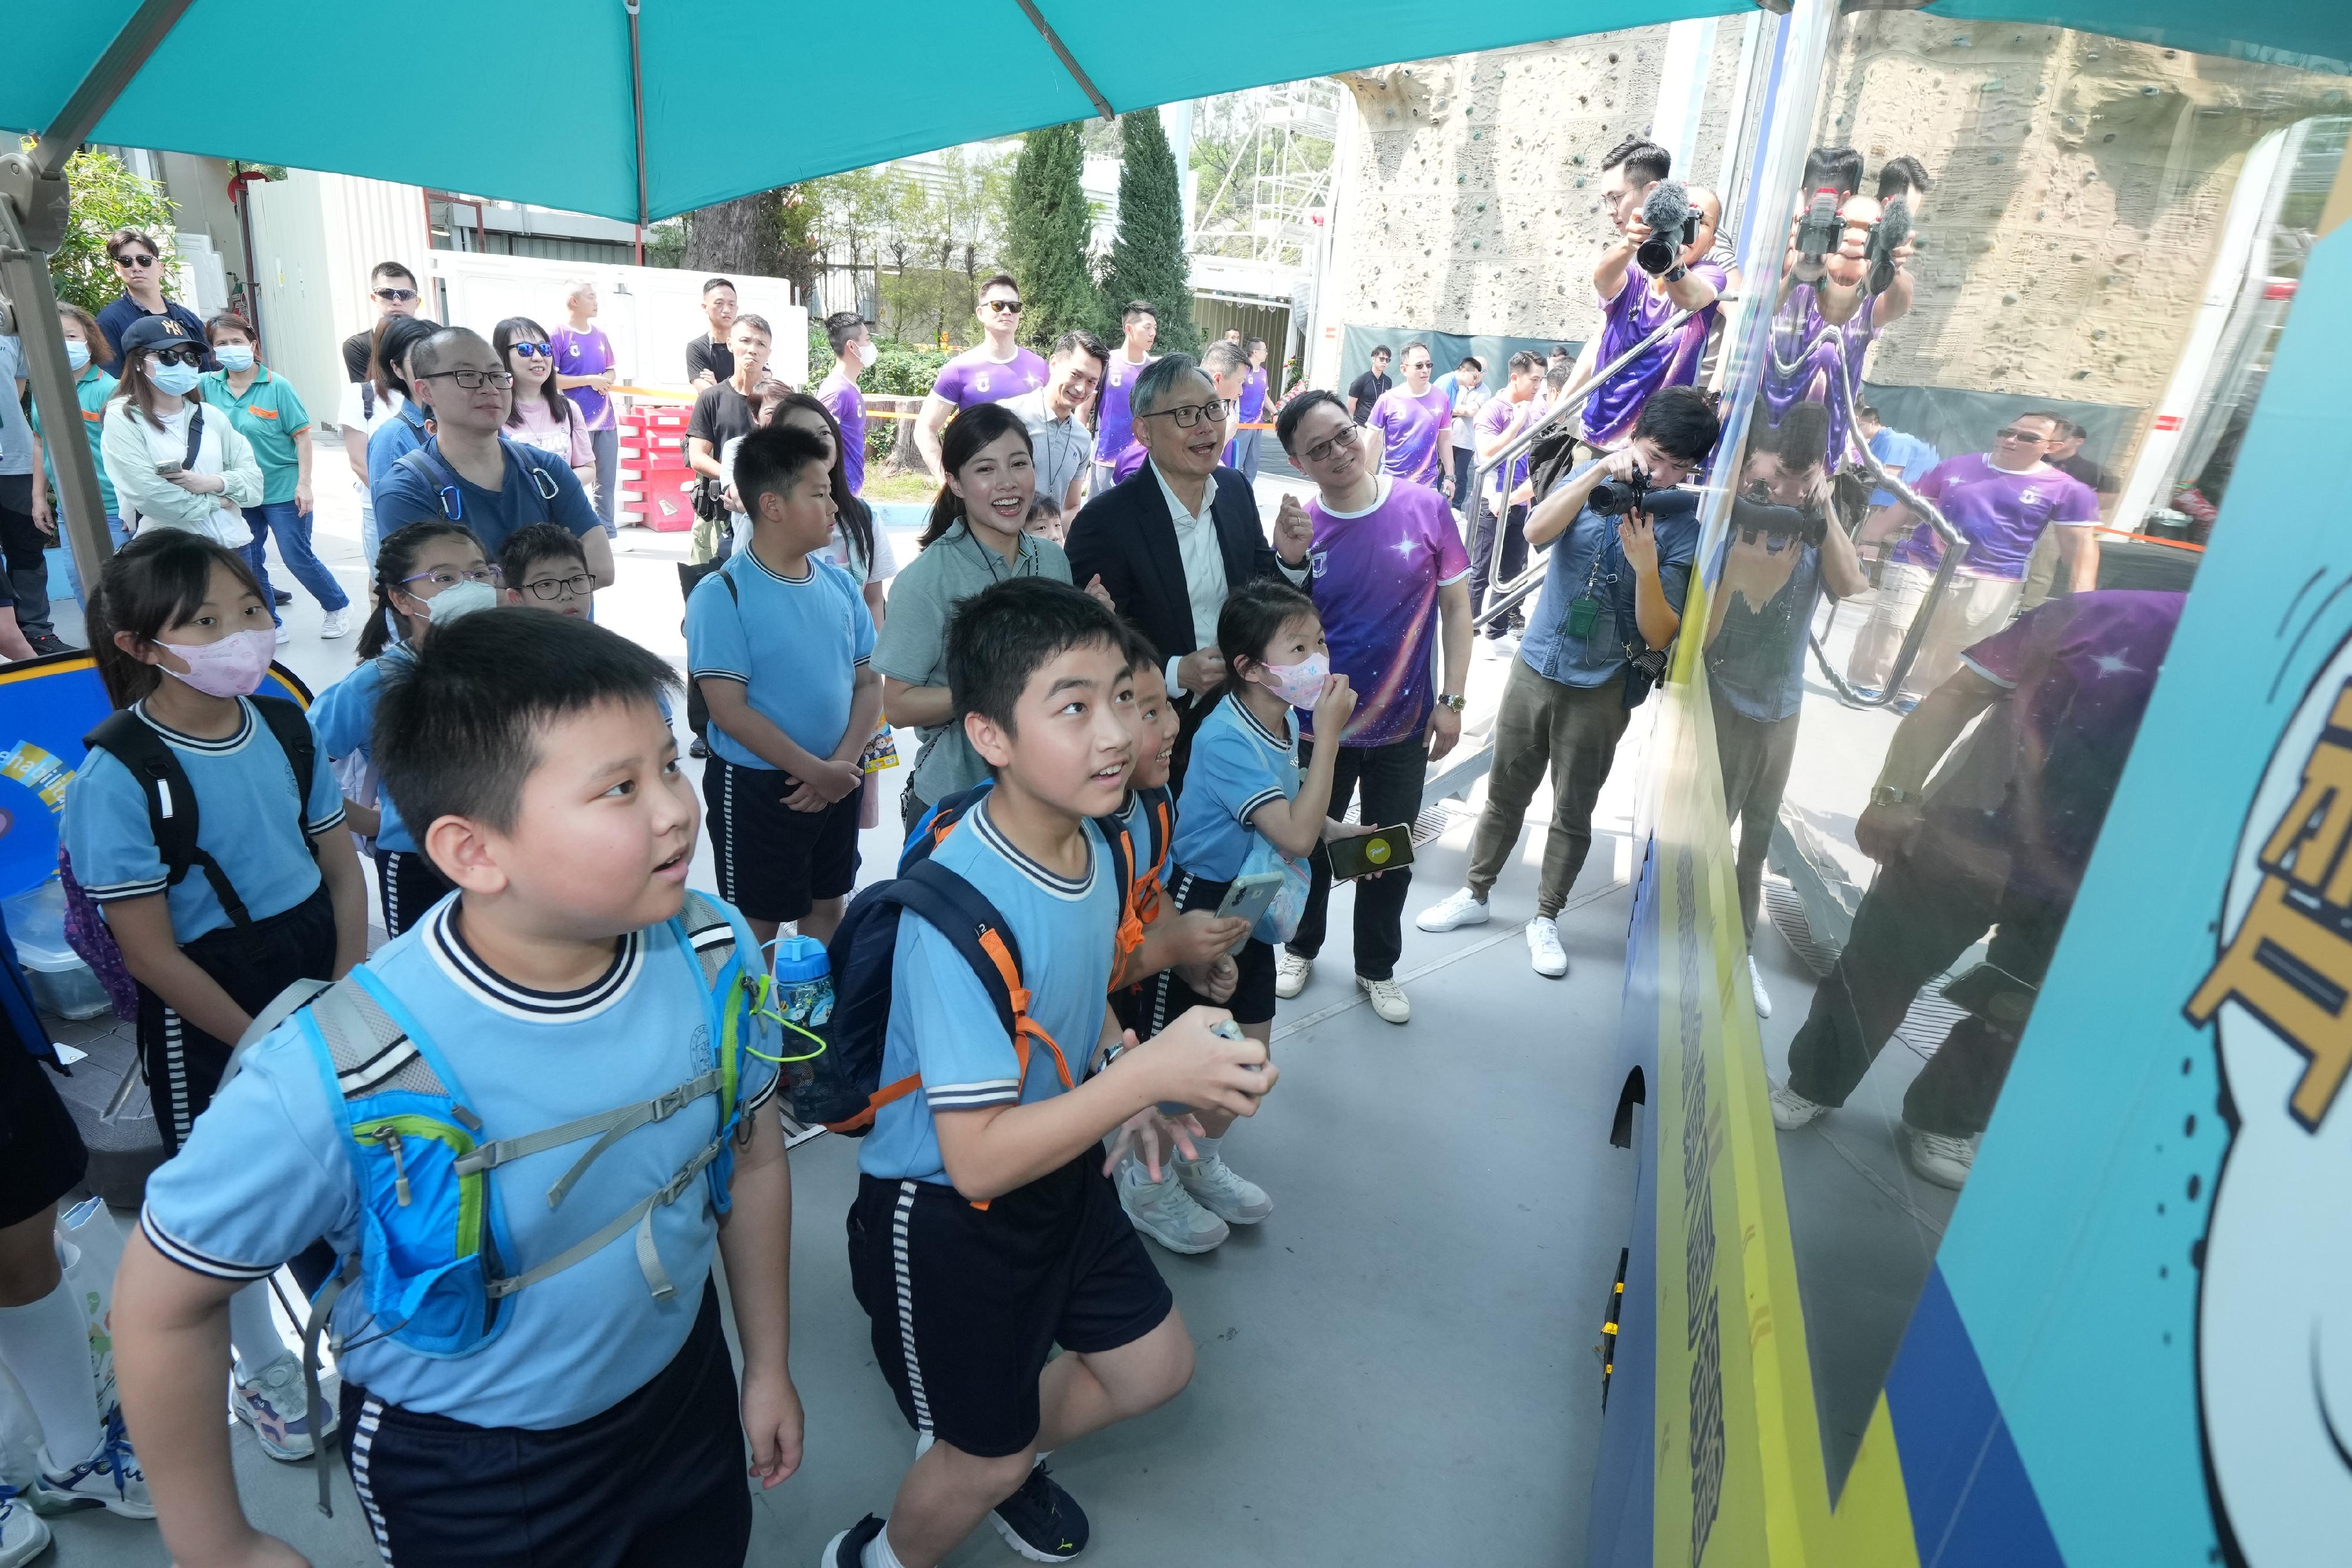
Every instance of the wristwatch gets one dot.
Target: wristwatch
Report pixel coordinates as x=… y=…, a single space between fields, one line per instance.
x=1456 y=702
x=1888 y=795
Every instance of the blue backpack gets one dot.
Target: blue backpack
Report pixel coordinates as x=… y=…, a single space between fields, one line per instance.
x=434 y=1257
x=843 y=1087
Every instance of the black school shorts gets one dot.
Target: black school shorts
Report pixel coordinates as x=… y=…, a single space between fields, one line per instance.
x=775 y=862
x=968 y=1303
x=41 y=1153
x=1166 y=998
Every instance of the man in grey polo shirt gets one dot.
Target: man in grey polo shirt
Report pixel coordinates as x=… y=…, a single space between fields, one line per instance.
x=1063 y=446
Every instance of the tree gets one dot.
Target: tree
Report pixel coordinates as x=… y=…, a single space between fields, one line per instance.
x=901 y=238
x=768 y=233
x=1146 y=257
x=106 y=196
x=853 y=207
x=976 y=204
x=1048 y=226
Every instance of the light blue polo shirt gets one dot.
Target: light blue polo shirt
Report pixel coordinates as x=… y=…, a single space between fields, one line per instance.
x=247 y=818
x=942 y=1024
x=266 y=1172
x=395 y=438
x=345 y=717
x=796 y=644
x=269 y=417
x=1238 y=769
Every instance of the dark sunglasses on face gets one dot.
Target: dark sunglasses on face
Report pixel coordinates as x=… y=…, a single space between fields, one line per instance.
x=531 y=351
x=190 y=356
x=395 y=296
x=134 y=261
x=2011 y=432
x=1001 y=306
x=1186 y=418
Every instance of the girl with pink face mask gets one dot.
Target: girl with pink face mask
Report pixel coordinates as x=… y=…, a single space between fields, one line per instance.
x=182 y=637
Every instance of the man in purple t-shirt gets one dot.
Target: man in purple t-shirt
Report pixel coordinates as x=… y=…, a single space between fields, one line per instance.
x=1117 y=453
x=998 y=370
x=1634 y=303
x=1505 y=415
x=584 y=373
x=2001 y=502
x=854 y=354
x=1413 y=426
x=1242 y=451
x=1389 y=578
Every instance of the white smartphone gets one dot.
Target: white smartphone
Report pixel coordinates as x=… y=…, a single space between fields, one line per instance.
x=1250 y=897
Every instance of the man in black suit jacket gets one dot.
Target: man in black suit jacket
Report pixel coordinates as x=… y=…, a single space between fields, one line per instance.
x=1145 y=538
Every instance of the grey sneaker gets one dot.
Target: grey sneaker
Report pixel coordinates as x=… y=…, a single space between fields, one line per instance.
x=1215 y=1187
x=1792 y=1109
x=1939 y=1157
x=110 y=1478
x=1164 y=1211
x=22 y=1534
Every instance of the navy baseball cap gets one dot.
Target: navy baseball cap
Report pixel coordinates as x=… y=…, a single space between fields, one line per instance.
x=157 y=332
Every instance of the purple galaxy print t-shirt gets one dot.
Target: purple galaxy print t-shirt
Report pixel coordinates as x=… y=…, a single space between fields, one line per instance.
x=972 y=378
x=1253 y=395
x=1672 y=362
x=1498 y=417
x=1375 y=576
x=2000 y=514
x=1416 y=433
x=585 y=353
x=840 y=396
x=1114 y=422
x=1811 y=361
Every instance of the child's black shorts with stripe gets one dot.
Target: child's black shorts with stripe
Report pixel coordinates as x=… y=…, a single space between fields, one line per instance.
x=775 y=862
x=968 y=1303
x=1166 y=997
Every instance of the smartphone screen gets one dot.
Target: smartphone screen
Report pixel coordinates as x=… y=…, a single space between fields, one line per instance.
x=1385 y=850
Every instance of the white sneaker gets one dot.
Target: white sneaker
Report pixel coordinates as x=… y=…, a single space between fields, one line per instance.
x=1939 y=1157
x=1508 y=642
x=23 y=1535
x=1388 y=999
x=338 y=624
x=1756 y=988
x=1290 y=972
x=1164 y=1211
x=284 y=636
x=1792 y=1109
x=1461 y=907
x=272 y=1402
x=110 y=1478
x=1544 y=950
x=1215 y=1187
x=1492 y=648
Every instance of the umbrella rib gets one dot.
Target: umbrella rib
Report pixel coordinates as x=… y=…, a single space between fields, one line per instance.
x=1062 y=52
x=637 y=114
x=98 y=91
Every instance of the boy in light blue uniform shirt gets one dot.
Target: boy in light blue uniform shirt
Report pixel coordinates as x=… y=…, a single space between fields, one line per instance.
x=599 y=1424
x=985 y=1231
x=777 y=642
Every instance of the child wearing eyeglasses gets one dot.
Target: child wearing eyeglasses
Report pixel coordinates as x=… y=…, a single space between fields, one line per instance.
x=426 y=575
x=544 y=567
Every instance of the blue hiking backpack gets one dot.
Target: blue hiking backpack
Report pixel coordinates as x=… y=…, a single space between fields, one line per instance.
x=843 y=1087
x=434 y=1257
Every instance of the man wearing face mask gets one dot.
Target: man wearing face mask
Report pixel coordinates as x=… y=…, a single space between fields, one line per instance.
x=1062 y=444
x=853 y=353
x=469 y=472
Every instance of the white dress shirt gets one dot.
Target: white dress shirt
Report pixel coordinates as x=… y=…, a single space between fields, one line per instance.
x=1205 y=563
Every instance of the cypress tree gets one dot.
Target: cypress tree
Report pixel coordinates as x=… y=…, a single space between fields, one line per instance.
x=1146 y=259
x=1045 y=236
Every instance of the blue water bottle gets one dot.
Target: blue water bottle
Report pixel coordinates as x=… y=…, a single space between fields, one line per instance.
x=804 y=996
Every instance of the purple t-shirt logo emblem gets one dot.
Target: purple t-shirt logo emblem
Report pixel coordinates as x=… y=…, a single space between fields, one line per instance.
x=980 y=383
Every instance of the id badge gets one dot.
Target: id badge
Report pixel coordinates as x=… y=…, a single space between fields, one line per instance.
x=1583 y=612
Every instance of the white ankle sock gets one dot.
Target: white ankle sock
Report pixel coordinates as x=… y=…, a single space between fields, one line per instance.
x=878 y=1552
x=252 y=1330
x=46 y=1345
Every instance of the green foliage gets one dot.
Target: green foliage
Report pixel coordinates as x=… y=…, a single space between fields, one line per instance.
x=1146 y=259
x=106 y=196
x=905 y=370
x=1047 y=233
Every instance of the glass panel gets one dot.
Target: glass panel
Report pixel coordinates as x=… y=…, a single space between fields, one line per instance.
x=2032 y=283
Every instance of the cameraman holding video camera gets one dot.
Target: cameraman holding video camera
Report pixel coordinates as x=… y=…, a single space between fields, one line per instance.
x=1656 y=266
x=1785 y=551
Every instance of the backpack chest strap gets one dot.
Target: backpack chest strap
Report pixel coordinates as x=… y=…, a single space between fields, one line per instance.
x=638 y=1217
x=615 y=1125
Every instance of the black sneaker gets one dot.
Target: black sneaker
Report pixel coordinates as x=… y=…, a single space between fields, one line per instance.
x=1041 y=1522
x=280 y=596
x=47 y=643
x=847 y=1549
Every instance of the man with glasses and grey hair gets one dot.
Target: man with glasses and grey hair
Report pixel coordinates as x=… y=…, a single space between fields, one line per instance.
x=1178 y=534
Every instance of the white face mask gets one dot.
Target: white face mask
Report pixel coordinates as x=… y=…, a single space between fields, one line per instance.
x=77 y=353
x=459 y=599
x=868 y=350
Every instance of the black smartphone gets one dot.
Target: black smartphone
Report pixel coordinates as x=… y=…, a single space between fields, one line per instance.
x=1385 y=849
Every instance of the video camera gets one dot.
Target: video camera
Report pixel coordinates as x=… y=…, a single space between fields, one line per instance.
x=1817 y=233
x=1672 y=226
x=1755 y=514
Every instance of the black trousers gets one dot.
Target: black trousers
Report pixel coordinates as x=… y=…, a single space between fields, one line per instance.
x=1465 y=460
x=21 y=544
x=1920 y=914
x=1390 y=778
x=1482 y=555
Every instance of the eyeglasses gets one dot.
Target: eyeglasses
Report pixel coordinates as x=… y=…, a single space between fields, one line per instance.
x=1001 y=306
x=1346 y=436
x=1186 y=418
x=469 y=381
x=184 y=355
x=442 y=577
x=2012 y=433
x=395 y=296
x=578 y=585
x=531 y=351
x=134 y=261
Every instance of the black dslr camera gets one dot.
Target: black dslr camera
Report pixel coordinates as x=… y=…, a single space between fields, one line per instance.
x=1614 y=498
x=1754 y=514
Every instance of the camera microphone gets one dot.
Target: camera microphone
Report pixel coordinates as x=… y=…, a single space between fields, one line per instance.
x=1887 y=236
x=1817 y=236
x=1667 y=211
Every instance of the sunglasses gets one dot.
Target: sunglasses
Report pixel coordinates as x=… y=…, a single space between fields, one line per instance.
x=2011 y=432
x=531 y=351
x=134 y=261
x=1001 y=306
x=395 y=296
x=183 y=356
